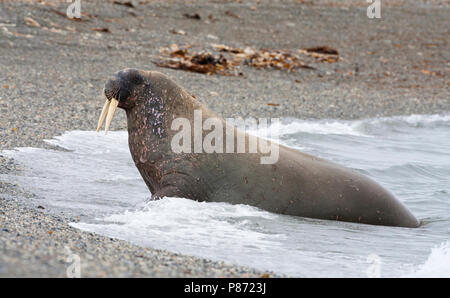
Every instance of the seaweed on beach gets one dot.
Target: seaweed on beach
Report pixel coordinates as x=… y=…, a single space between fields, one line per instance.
x=264 y=58
x=131 y=4
x=201 y=62
x=321 y=54
x=230 y=58
x=274 y=59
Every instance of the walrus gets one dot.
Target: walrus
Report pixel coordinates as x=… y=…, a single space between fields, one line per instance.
x=296 y=184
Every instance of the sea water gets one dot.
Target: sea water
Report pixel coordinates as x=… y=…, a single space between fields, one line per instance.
x=96 y=181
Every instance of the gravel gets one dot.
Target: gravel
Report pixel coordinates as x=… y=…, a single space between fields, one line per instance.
x=52 y=77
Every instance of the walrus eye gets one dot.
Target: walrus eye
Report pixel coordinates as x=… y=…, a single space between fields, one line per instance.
x=137 y=79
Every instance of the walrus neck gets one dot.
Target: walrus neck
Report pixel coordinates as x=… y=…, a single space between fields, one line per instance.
x=146 y=129
x=145 y=134
x=148 y=115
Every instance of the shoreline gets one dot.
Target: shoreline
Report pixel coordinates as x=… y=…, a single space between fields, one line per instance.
x=54 y=73
x=37 y=244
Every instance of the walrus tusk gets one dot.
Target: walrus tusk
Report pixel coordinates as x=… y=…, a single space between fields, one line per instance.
x=103 y=115
x=112 y=109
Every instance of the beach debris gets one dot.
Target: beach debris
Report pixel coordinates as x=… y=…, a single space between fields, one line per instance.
x=194 y=16
x=51 y=27
x=131 y=4
x=230 y=14
x=264 y=58
x=178 y=32
x=211 y=18
x=30 y=22
x=321 y=54
x=229 y=59
x=322 y=50
x=224 y=48
x=280 y=60
x=429 y=72
x=16 y=34
x=114 y=20
x=201 y=62
x=102 y=29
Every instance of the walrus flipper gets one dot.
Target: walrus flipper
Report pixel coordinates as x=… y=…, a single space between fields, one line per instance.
x=181 y=185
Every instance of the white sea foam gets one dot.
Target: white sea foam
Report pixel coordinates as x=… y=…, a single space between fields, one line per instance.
x=353 y=128
x=437 y=264
x=213 y=230
x=81 y=141
x=319 y=127
x=423 y=119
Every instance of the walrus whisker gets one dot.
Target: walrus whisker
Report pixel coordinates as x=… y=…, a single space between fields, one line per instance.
x=103 y=115
x=112 y=109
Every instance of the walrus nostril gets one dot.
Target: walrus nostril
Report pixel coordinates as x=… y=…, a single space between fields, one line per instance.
x=112 y=88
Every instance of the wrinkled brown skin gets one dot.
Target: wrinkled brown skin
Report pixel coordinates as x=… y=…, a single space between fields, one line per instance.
x=298 y=184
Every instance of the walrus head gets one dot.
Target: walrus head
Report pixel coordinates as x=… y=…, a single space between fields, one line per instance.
x=121 y=91
x=147 y=97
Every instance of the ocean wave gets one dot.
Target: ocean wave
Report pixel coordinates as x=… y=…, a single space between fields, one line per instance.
x=364 y=127
x=186 y=225
x=437 y=264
